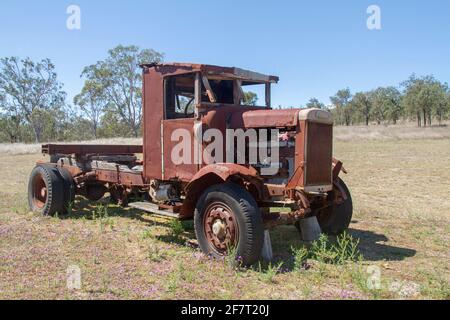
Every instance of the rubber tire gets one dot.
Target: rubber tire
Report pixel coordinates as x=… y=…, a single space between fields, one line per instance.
x=336 y=219
x=113 y=199
x=69 y=187
x=248 y=217
x=54 y=158
x=97 y=197
x=55 y=191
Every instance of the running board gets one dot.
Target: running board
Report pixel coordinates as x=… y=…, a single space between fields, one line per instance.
x=153 y=208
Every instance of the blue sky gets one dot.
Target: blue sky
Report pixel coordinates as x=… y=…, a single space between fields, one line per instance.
x=315 y=47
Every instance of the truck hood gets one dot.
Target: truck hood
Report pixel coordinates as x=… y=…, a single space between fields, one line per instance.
x=265 y=118
x=278 y=118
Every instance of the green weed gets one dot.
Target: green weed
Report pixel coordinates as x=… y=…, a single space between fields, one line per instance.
x=344 y=249
x=268 y=275
x=176 y=228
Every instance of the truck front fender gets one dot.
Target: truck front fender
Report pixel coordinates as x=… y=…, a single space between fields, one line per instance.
x=224 y=171
x=337 y=167
x=214 y=174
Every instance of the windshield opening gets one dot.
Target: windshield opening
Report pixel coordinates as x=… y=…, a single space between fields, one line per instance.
x=236 y=92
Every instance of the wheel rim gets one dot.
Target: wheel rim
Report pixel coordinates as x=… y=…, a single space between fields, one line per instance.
x=220 y=225
x=39 y=191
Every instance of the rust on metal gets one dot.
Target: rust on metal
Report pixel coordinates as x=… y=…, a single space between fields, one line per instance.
x=67 y=149
x=221 y=227
x=307 y=179
x=39 y=190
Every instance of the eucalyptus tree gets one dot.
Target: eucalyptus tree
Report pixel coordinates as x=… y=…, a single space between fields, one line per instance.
x=119 y=80
x=425 y=97
x=386 y=105
x=343 y=108
x=315 y=103
x=32 y=90
x=92 y=103
x=362 y=104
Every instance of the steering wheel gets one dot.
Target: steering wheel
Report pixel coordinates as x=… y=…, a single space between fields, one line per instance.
x=186 y=109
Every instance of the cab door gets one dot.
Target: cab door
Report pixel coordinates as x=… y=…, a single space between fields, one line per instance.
x=177 y=128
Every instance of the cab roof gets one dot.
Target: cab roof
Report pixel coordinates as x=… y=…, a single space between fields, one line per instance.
x=213 y=71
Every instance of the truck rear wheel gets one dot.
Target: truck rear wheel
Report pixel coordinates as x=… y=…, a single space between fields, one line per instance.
x=226 y=217
x=336 y=219
x=69 y=187
x=46 y=191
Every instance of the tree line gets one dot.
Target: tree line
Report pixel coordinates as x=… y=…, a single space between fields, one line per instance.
x=33 y=106
x=422 y=99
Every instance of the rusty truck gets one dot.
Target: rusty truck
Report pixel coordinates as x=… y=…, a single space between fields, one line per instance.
x=232 y=204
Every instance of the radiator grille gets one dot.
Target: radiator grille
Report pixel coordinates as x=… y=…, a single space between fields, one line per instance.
x=319 y=153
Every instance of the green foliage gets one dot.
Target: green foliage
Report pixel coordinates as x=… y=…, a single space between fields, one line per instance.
x=33 y=106
x=268 y=274
x=250 y=99
x=343 y=108
x=111 y=125
x=315 y=103
x=386 y=105
x=30 y=90
x=147 y=234
x=69 y=208
x=435 y=285
x=345 y=249
x=362 y=105
x=425 y=97
x=323 y=250
x=232 y=258
x=176 y=228
x=300 y=257
x=117 y=82
x=76 y=128
x=10 y=126
x=92 y=103
x=101 y=214
x=155 y=254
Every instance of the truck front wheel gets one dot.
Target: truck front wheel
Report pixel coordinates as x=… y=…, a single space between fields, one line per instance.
x=336 y=218
x=226 y=217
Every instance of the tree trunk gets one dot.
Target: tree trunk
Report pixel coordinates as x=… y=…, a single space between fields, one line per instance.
x=37 y=134
x=419 y=121
x=94 y=130
x=367 y=121
x=135 y=131
x=12 y=138
x=424 y=118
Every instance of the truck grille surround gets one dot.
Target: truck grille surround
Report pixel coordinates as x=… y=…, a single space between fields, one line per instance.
x=318 y=155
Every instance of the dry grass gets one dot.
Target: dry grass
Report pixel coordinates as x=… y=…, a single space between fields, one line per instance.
x=402 y=219
x=407 y=131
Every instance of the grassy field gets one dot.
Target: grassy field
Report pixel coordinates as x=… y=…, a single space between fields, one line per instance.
x=400 y=189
